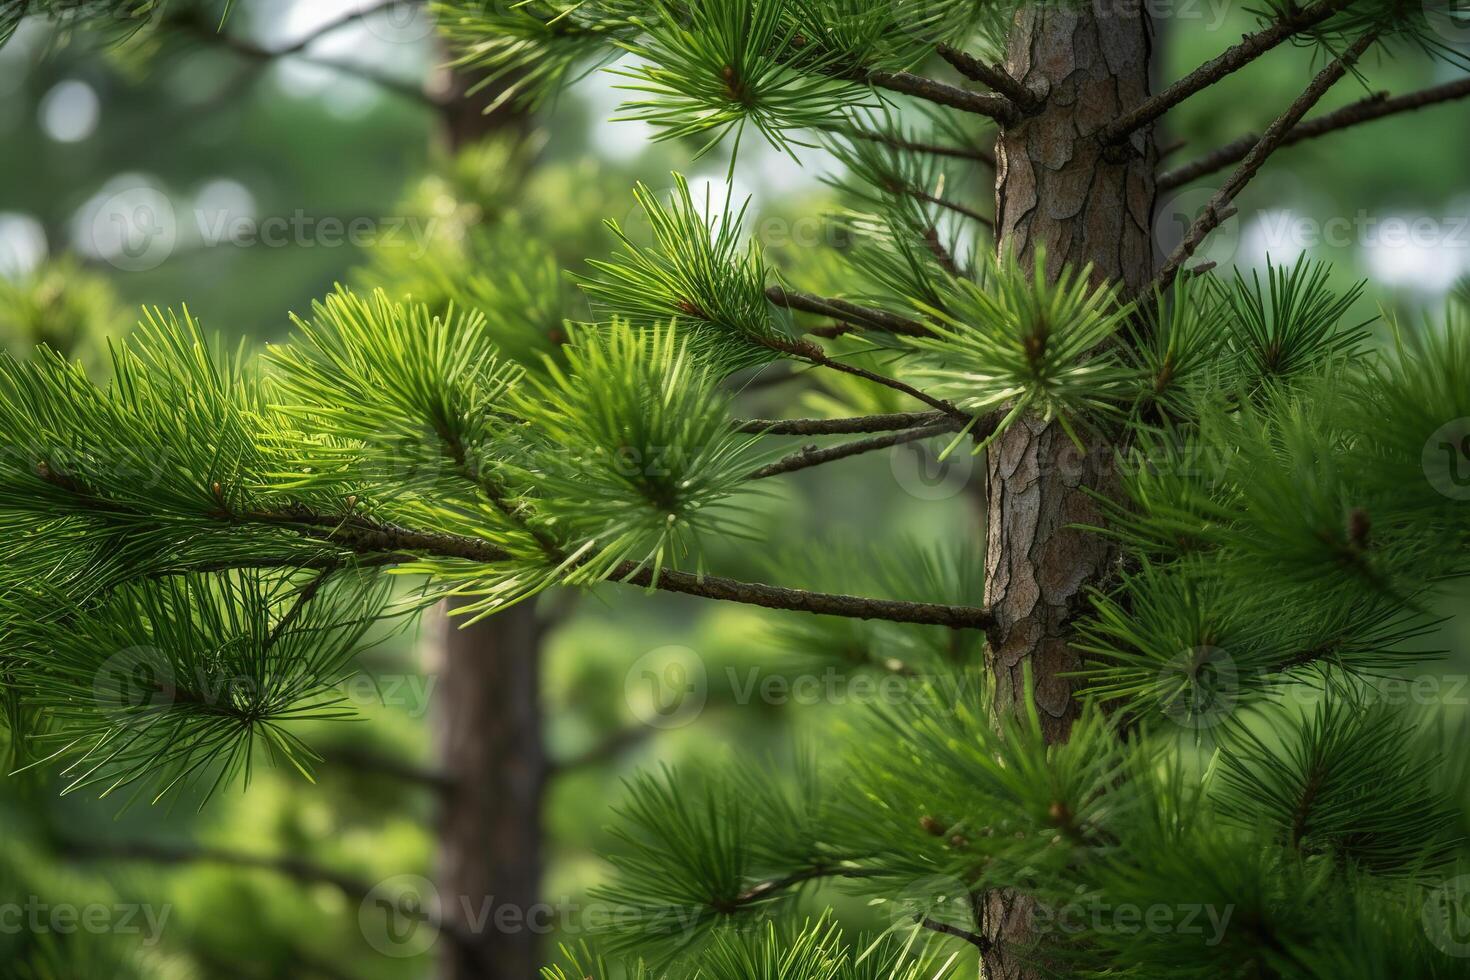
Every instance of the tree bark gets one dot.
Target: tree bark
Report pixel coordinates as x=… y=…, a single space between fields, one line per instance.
x=489 y=732
x=1061 y=190
x=490 y=836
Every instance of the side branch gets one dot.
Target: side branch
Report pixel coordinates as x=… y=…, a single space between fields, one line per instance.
x=1251 y=47
x=996 y=107
x=798 y=600
x=915 y=146
x=841 y=309
x=837 y=427
x=993 y=76
x=1218 y=206
x=813 y=456
x=1367 y=110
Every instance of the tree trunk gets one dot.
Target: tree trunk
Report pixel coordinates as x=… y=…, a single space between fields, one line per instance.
x=1059 y=189
x=489 y=735
x=490 y=744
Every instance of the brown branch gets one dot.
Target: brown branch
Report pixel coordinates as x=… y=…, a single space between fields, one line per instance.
x=798 y=600
x=841 y=309
x=837 y=427
x=961 y=209
x=1214 y=212
x=1367 y=110
x=996 y=107
x=935 y=149
x=812 y=354
x=812 y=456
x=973 y=938
x=1251 y=47
x=995 y=77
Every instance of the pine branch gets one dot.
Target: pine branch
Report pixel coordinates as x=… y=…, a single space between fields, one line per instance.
x=1367 y=110
x=307 y=593
x=996 y=107
x=837 y=427
x=1214 y=212
x=915 y=146
x=1212 y=72
x=798 y=600
x=773 y=886
x=973 y=938
x=813 y=354
x=812 y=456
x=997 y=78
x=959 y=209
x=841 y=309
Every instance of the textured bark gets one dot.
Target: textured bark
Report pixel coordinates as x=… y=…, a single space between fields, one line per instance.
x=489 y=733
x=1058 y=188
x=490 y=744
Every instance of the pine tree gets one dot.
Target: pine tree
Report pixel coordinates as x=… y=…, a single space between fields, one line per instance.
x=1144 y=730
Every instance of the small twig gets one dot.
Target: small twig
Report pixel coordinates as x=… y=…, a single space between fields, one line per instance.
x=961 y=209
x=934 y=149
x=837 y=427
x=1214 y=212
x=1251 y=47
x=813 y=456
x=307 y=593
x=1364 y=111
x=997 y=78
x=812 y=354
x=996 y=107
x=973 y=938
x=841 y=309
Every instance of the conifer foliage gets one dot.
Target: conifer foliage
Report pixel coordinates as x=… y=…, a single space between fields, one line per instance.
x=1288 y=505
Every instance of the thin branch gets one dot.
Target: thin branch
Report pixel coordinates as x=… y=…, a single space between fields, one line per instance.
x=812 y=354
x=973 y=938
x=934 y=149
x=307 y=593
x=941 y=254
x=765 y=889
x=1214 y=212
x=996 y=107
x=813 y=456
x=837 y=427
x=993 y=76
x=1251 y=47
x=841 y=309
x=1367 y=110
x=799 y=600
x=960 y=209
